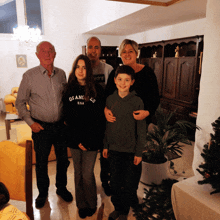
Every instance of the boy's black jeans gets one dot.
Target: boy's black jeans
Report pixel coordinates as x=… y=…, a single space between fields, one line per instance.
x=124 y=180
x=105 y=170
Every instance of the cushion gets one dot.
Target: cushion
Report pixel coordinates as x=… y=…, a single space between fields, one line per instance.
x=11 y=212
x=14 y=91
x=9 y=99
x=12 y=172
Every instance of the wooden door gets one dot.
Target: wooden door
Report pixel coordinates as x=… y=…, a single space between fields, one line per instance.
x=157 y=65
x=170 y=77
x=185 y=80
x=145 y=61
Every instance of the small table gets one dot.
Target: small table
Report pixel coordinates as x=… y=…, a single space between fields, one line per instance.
x=193 y=201
x=8 y=119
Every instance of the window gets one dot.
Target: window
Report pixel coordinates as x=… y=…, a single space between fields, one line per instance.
x=33 y=13
x=8 y=16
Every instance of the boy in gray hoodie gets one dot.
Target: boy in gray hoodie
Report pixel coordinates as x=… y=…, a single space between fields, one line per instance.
x=124 y=143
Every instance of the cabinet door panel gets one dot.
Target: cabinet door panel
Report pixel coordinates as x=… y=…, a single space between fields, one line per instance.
x=145 y=61
x=170 y=77
x=185 y=88
x=157 y=66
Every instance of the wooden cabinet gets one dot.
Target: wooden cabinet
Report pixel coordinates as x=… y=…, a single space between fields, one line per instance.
x=185 y=80
x=152 y=55
x=157 y=65
x=109 y=54
x=177 y=66
x=170 y=78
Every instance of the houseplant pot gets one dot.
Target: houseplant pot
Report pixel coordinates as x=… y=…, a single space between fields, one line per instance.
x=162 y=138
x=154 y=173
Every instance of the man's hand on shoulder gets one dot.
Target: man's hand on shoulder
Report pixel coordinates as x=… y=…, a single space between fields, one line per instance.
x=36 y=127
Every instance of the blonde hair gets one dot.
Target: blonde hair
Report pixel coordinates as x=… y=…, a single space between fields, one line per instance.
x=133 y=43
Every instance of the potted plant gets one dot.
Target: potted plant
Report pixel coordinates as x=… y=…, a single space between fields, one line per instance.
x=162 y=138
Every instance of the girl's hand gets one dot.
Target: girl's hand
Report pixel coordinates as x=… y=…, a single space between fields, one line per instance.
x=137 y=160
x=105 y=153
x=140 y=114
x=82 y=147
x=108 y=115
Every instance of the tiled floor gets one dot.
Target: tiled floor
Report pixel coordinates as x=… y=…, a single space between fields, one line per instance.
x=57 y=209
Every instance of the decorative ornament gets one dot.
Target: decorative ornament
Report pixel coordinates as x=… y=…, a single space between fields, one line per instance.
x=155 y=54
x=177 y=51
x=207 y=175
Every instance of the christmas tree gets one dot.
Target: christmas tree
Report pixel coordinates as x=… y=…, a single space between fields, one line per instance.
x=210 y=168
x=157 y=202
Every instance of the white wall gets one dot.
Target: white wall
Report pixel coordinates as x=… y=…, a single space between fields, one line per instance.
x=186 y=29
x=64 y=23
x=101 y=12
x=209 y=96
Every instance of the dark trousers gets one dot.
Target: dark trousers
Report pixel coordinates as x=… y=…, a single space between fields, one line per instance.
x=124 y=181
x=105 y=170
x=53 y=133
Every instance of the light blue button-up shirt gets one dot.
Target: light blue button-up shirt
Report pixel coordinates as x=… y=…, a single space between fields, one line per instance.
x=42 y=93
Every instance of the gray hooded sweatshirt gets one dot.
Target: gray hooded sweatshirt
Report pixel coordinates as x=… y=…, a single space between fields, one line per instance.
x=125 y=134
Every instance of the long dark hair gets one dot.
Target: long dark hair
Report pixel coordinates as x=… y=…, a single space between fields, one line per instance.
x=72 y=83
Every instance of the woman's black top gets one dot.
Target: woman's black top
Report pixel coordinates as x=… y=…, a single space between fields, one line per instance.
x=145 y=86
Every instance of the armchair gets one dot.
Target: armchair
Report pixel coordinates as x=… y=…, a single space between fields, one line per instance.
x=9 y=101
x=16 y=172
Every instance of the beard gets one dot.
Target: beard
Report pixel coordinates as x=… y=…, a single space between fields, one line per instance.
x=93 y=57
x=93 y=61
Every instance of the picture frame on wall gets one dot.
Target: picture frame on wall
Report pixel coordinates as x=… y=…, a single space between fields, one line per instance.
x=21 y=61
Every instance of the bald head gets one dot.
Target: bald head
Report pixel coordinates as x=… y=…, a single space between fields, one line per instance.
x=46 y=54
x=43 y=42
x=93 y=50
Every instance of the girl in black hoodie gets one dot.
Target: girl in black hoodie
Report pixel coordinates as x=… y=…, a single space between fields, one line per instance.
x=83 y=105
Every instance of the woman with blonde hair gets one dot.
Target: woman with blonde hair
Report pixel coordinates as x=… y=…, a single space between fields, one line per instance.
x=145 y=83
x=146 y=88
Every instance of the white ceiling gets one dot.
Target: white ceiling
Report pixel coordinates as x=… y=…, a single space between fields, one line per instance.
x=154 y=17
x=3 y=2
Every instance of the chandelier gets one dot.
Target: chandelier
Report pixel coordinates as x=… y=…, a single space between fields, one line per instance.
x=26 y=34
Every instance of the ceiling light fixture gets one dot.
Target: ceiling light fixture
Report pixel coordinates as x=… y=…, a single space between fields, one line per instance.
x=24 y=33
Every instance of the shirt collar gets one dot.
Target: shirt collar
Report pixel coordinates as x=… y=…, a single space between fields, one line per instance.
x=44 y=71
